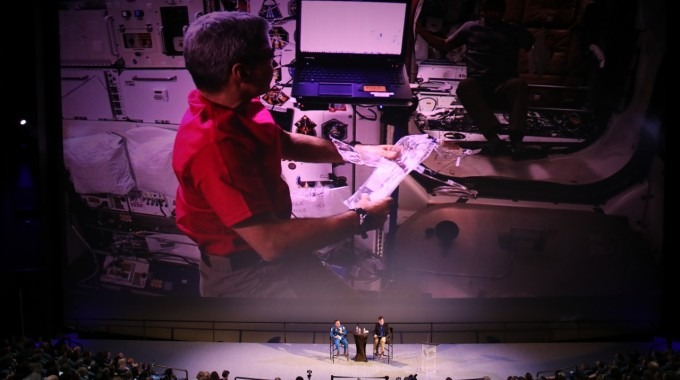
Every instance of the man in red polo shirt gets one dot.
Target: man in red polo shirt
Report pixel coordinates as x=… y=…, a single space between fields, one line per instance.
x=232 y=200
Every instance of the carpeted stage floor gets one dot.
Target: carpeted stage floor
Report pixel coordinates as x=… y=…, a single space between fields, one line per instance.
x=287 y=361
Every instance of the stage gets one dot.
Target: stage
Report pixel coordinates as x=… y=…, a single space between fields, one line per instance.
x=287 y=361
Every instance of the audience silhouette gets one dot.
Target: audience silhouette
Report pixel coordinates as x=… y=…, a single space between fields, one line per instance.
x=62 y=359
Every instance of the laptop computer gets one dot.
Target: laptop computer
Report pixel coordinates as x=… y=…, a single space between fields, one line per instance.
x=352 y=52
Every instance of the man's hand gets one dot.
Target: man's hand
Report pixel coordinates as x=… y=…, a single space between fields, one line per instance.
x=390 y=152
x=379 y=209
x=598 y=53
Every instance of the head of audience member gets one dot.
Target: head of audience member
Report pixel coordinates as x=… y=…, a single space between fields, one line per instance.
x=492 y=11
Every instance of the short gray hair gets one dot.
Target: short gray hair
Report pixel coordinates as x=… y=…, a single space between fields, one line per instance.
x=216 y=41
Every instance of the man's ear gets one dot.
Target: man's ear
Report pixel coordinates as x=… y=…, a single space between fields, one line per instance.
x=240 y=71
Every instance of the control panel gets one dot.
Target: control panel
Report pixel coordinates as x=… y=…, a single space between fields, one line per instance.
x=151 y=203
x=430 y=70
x=107 y=201
x=130 y=34
x=126 y=271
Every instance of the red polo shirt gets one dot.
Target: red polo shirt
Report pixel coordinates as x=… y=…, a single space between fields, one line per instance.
x=229 y=168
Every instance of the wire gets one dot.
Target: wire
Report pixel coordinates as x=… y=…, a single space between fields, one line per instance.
x=420 y=122
x=160 y=207
x=374 y=116
x=91 y=251
x=82 y=84
x=436 y=103
x=449 y=187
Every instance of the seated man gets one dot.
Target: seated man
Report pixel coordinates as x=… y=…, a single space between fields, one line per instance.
x=492 y=54
x=339 y=336
x=380 y=333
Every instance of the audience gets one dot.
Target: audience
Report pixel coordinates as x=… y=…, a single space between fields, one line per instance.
x=27 y=359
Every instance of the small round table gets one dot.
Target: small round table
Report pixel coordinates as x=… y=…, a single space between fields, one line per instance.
x=360 y=341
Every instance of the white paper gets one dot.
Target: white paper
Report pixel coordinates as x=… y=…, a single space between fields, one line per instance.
x=388 y=174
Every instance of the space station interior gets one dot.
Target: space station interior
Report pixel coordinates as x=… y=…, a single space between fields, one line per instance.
x=466 y=225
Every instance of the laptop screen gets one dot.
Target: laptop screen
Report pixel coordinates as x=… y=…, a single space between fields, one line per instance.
x=351 y=27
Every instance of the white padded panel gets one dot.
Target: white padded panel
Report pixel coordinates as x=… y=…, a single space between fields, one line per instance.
x=98 y=164
x=150 y=150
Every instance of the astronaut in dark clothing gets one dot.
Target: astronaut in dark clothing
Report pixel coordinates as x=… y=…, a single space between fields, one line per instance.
x=492 y=54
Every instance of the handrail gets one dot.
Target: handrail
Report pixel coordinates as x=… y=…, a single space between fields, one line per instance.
x=436 y=331
x=555 y=371
x=185 y=371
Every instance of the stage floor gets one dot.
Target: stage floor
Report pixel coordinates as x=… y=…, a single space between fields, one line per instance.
x=287 y=361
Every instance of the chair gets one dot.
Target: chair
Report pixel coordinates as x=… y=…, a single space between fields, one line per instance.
x=331 y=346
x=389 y=346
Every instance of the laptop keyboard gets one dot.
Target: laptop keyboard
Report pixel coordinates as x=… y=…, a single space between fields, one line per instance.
x=368 y=76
